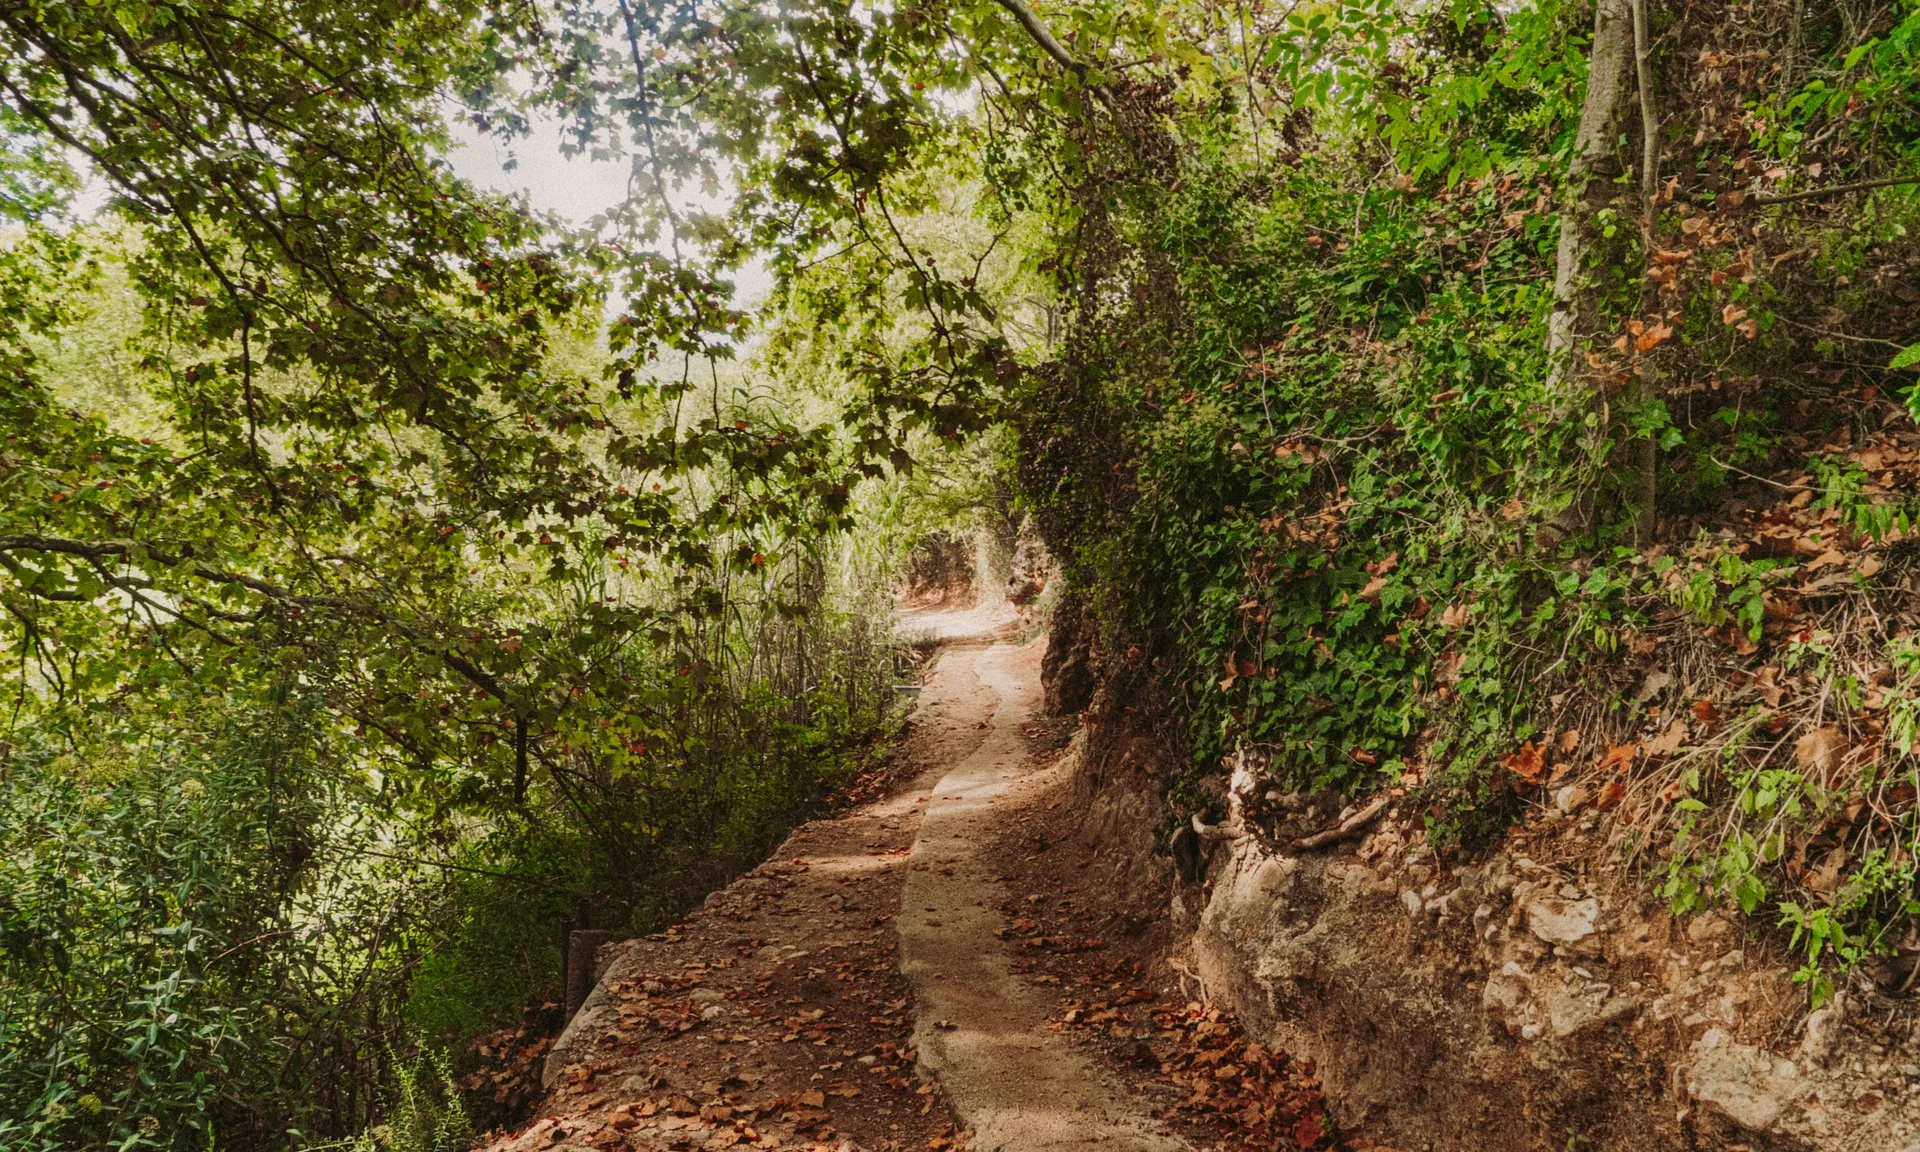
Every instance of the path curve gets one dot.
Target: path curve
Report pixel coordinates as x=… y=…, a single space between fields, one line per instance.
x=980 y=1031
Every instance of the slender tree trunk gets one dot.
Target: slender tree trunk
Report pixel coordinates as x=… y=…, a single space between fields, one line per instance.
x=1646 y=450
x=1593 y=155
x=1571 y=391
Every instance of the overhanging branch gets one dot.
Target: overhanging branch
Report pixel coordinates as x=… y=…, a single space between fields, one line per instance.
x=1041 y=36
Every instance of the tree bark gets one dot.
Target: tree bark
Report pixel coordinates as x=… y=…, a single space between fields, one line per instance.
x=1646 y=450
x=1572 y=398
x=1593 y=155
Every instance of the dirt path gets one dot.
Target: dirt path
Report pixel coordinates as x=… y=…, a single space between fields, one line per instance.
x=920 y=973
x=776 y=1015
x=981 y=1031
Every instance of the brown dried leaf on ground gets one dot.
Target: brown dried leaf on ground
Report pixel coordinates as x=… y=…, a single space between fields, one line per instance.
x=1255 y=1097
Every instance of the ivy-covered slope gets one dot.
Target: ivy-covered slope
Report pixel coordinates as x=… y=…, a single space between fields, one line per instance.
x=1426 y=423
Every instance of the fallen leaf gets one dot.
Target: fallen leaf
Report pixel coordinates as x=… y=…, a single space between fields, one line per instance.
x=1570 y=739
x=1732 y=314
x=1609 y=794
x=1529 y=763
x=1826 y=877
x=1652 y=338
x=1820 y=750
x=1707 y=713
x=1669 y=741
x=813 y=1099
x=1619 y=757
x=1653 y=685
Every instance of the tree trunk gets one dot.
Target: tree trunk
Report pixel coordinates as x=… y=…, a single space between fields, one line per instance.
x=1571 y=393
x=1646 y=450
x=1593 y=155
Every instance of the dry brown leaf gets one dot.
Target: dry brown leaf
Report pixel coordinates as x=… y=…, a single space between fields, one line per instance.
x=1570 y=739
x=1732 y=314
x=1826 y=877
x=1609 y=795
x=1529 y=763
x=1669 y=741
x=1619 y=757
x=1820 y=750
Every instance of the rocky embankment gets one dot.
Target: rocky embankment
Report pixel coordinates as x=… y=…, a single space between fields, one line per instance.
x=1539 y=996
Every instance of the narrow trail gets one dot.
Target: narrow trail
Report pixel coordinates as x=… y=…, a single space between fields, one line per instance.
x=981 y=1030
x=851 y=993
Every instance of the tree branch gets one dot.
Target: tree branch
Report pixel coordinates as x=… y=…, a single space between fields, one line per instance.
x=1835 y=190
x=1042 y=37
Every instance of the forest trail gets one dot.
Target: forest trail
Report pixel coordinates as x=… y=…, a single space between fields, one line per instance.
x=981 y=1030
x=788 y=1012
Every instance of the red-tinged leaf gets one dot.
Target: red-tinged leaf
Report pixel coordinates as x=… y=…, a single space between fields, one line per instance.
x=1707 y=713
x=1619 y=757
x=1529 y=763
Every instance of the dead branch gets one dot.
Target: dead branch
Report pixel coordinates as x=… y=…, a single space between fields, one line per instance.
x=1345 y=828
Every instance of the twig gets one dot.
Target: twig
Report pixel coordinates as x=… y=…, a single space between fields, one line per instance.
x=1345 y=828
x=1762 y=479
x=1835 y=190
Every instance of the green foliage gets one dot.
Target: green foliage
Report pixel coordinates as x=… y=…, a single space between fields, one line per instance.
x=1305 y=446
x=331 y=455
x=184 y=938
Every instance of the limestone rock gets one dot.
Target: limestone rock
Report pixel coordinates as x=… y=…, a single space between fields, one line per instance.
x=1823 y=1030
x=1569 y=1012
x=1505 y=997
x=1561 y=921
x=1740 y=1082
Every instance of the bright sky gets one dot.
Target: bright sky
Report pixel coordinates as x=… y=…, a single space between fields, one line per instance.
x=577 y=188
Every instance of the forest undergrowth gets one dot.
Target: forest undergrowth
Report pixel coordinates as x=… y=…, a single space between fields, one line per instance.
x=1509 y=404
x=1415 y=491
